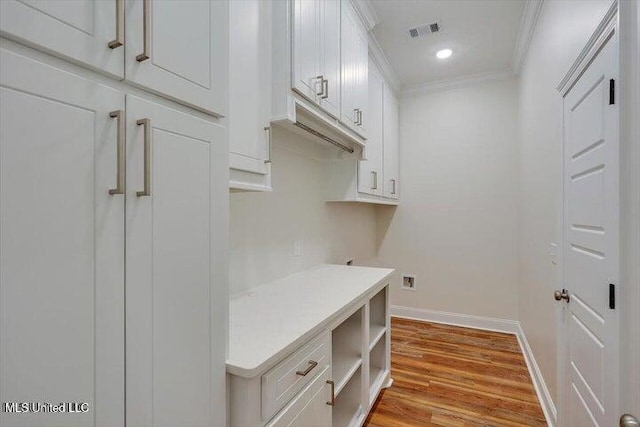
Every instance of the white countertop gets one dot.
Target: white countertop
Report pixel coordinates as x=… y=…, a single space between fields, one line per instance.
x=268 y=322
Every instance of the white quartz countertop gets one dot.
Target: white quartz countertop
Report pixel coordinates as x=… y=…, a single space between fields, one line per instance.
x=270 y=321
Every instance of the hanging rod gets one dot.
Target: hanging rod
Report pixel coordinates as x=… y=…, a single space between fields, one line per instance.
x=324 y=137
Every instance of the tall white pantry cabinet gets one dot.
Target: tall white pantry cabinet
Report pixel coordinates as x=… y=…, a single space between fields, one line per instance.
x=114 y=211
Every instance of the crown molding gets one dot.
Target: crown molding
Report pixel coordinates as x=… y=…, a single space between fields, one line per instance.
x=457 y=82
x=527 y=27
x=604 y=31
x=370 y=19
x=378 y=56
x=367 y=13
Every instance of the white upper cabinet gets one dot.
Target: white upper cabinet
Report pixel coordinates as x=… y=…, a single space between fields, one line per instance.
x=250 y=85
x=316 y=52
x=179 y=49
x=391 y=136
x=354 y=50
x=306 y=48
x=84 y=31
x=62 y=244
x=370 y=172
x=330 y=56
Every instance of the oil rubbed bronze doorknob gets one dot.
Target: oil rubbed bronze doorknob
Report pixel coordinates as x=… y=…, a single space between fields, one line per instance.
x=561 y=295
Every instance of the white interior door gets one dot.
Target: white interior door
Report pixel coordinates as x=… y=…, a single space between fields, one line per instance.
x=590 y=357
x=84 y=31
x=61 y=246
x=178 y=48
x=175 y=325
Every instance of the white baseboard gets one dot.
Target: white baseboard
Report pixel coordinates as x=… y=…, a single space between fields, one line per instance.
x=496 y=325
x=456 y=319
x=548 y=407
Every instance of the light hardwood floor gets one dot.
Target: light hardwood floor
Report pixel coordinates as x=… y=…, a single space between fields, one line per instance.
x=452 y=376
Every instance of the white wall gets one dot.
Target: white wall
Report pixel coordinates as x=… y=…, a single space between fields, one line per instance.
x=456 y=226
x=561 y=32
x=265 y=226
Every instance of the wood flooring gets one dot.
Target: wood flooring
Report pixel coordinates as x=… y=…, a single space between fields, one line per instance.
x=452 y=376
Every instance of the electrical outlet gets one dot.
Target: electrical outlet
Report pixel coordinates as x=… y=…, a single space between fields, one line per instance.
x=409 y=282
x=298 y=248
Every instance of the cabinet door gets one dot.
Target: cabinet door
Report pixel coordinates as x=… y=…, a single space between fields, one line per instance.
x=175 y=294
x=349 y=71
x=330 y=59
x=62 y=246
x=305 y=50
x=79 y=30
x=250 y=84
x=354 y=70
x=179 y=49
x=391 y=137
x=309 y=408
x=362 y=83
x=370 y=174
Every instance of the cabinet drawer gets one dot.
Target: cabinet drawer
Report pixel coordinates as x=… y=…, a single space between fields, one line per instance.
x=286 y=379
x=309 y=408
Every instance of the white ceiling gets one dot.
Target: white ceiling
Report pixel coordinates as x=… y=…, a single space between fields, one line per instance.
x=481 y=33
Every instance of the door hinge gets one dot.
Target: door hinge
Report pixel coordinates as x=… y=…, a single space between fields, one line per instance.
x=612 y=91
x=612 y=296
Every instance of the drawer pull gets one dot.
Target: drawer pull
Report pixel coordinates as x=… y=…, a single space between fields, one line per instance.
x=312 y=364
x=333 y=393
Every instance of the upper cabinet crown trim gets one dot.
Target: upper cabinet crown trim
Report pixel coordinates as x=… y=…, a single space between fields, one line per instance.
x=367 y=13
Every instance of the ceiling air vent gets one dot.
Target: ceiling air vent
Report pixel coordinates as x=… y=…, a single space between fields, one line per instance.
x=425 y=29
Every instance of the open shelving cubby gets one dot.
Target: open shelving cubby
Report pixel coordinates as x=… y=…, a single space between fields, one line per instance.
x=347 y=410
x=378 y=367
x=377 y=317
x=346 y=349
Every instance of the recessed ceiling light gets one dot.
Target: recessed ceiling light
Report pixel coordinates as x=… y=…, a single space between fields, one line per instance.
x=444 y=53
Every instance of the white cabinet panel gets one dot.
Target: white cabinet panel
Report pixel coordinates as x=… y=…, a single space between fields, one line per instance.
x=250 y=84
x=391 y=157
x=175 y=369
x=370 y=172
x=330 y=56
x=316 y=52
x=79 y=30
x=178 y=49
x=355 y=50
x=306 y=48
x=62 y=246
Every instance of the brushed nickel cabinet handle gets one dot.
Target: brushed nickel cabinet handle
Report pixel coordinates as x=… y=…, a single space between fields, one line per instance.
x=118 y=115
x=333 y=393
x=321 y=78
x=268 y=131
x=312 y=364
x=393 y=181
x=119 y=40
x=375 y=180
x=360 y=117
x=146 y=28
x=147 y=157
x=356 y=114
x=325 y=88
